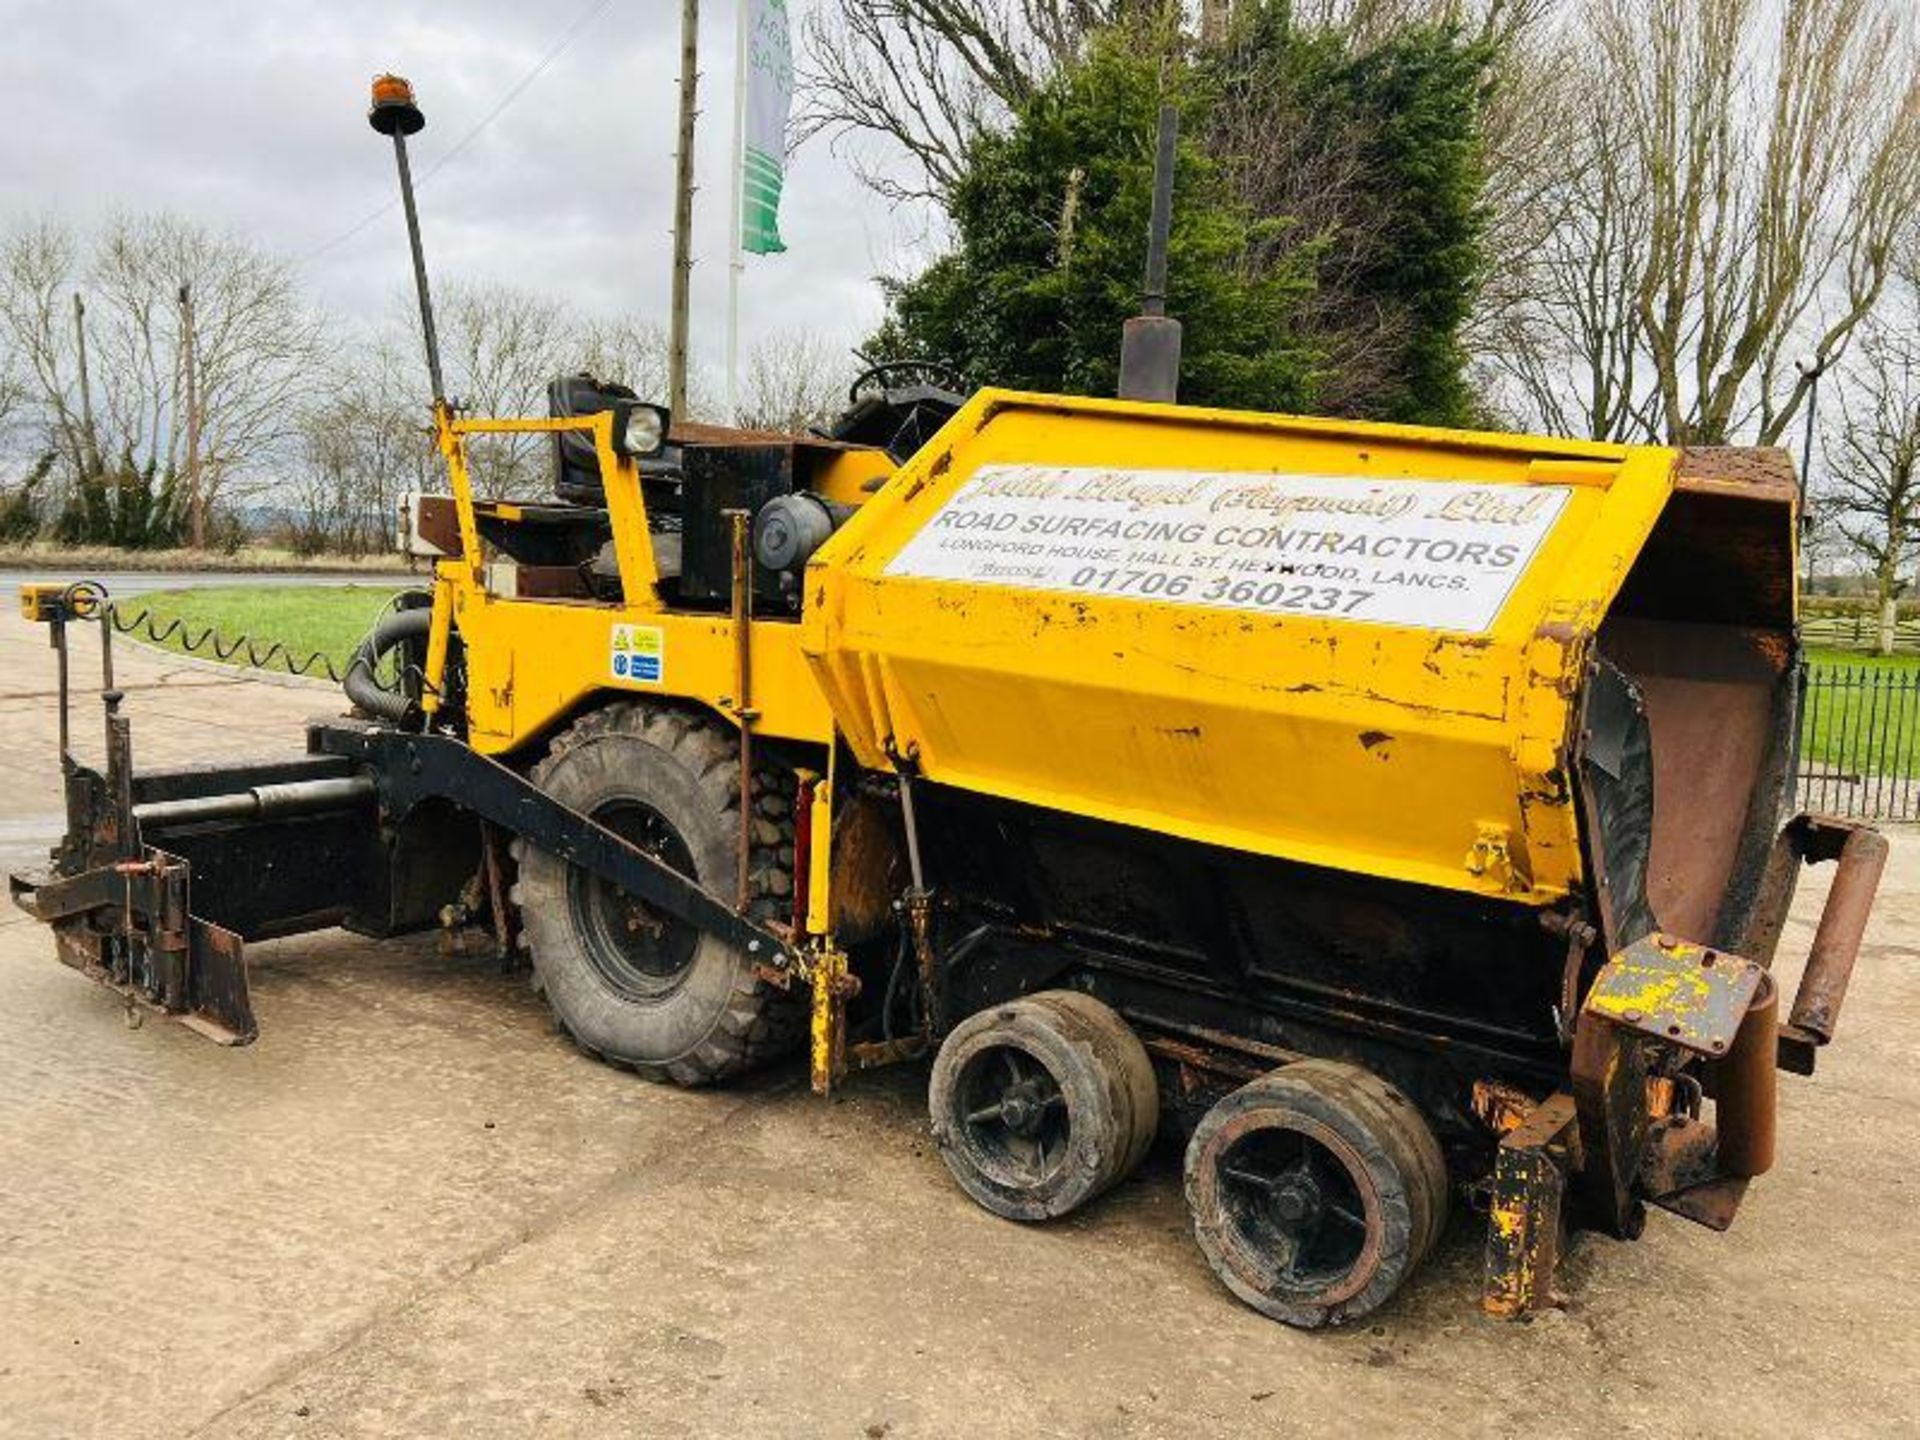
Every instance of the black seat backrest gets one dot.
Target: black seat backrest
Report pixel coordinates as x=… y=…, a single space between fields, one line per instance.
x=898 y=420
x=576 y=469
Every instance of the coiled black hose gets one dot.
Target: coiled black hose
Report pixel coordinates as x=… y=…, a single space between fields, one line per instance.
x=158 y=633
x=88 y=600
x=361 y=684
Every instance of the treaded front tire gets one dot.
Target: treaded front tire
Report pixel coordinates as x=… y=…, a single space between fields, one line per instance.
x=631 y=986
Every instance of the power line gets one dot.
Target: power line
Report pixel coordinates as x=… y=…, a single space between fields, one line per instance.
x=513 y=93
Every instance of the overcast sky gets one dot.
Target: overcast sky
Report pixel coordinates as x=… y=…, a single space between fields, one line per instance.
x=251 y=116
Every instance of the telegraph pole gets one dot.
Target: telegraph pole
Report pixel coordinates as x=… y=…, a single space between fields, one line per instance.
x=683 y=207
x=89 y=437
x=196 y=504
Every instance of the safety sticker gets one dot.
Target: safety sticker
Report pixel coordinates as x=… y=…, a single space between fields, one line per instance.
x=639 y=653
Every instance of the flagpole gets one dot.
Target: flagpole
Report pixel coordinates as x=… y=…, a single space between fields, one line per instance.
x=736 y=256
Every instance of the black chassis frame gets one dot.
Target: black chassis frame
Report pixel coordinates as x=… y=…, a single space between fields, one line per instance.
x=162 y=877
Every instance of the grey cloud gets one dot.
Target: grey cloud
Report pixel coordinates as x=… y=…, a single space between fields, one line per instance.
x=250 y=116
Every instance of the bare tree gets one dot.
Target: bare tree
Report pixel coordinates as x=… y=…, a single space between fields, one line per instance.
x=925 y=77
x=908 y=85
x=321 y=489
x=13 y=391
x=1287 y=162
x=1368 y=22
x=1873 y=464
x=1743 y=171
x=20 y=515
x=1525 y=196
x=1289 y=157
x=39 y=259
x=326 y=436
x=502 y=346
x=247 y=358
x=1557 y=324
x=795 y=381
x=362 y=443
x=1780 y=158
x=1823 y=548
x=634 y=353
x=112 y=378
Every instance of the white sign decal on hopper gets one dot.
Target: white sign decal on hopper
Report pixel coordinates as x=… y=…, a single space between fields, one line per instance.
x=1432 y=554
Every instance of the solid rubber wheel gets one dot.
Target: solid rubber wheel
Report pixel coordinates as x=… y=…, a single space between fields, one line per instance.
x=631 y=985
x=1041 y=1104
x=1316 y=1191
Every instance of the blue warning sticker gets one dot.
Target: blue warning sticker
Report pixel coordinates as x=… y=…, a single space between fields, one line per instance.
x=639 y=654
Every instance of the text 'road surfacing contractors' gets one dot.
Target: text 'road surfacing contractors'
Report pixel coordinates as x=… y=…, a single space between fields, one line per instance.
x=1434 y=554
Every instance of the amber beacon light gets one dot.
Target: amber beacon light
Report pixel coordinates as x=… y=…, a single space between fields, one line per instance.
x=394 y=110
x=396 y=114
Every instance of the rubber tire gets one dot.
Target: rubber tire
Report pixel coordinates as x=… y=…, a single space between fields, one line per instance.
x=1104 y=1075
x=722 y=1019
x=1402 y=1167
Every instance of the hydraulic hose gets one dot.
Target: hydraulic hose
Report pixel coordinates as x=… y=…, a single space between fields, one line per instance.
x=87 y=600
x=141 y=623
x=363 y=689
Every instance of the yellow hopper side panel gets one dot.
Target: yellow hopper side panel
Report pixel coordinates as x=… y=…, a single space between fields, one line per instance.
x=1350 y=645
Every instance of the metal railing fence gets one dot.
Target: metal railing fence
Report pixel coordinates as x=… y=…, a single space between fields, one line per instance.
x=1860 y=742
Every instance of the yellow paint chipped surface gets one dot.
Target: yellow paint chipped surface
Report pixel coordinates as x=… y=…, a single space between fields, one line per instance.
x=1387 y=749
x=1637 y=990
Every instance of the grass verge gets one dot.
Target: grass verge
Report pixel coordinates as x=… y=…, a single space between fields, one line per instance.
x=328 y=620
x=78 y=561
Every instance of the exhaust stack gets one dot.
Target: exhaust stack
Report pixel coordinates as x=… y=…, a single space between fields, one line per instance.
x=1150 y=341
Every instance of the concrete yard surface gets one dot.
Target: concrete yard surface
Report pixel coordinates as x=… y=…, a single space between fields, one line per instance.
x=413 y=1209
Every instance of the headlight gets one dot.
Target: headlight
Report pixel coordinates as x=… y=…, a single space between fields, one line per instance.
x=639 y=430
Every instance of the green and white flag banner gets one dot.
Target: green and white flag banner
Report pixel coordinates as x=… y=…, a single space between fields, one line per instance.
x=769 y=100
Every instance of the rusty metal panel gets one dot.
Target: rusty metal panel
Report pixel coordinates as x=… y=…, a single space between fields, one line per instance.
x=1615 y=784
x=1843 y=923
x=1524 y=1225
x=1745 y=471
x=1677 y=992
x=1714 y=696
x=1746 y=1099
x=1681 y=1174
x=1724 y=551
x=1861 y=856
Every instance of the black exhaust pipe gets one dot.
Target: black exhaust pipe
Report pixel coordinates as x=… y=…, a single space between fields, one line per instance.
x=1150 y=341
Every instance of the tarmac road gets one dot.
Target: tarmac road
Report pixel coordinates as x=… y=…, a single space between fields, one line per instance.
x=412 y=1209
x=123 y=583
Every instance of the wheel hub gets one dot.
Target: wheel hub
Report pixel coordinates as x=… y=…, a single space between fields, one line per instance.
x=1293 y=1199
x=642 y=952
x=1296 y=1200
x=1021 y=1109
x=1013 y=1110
